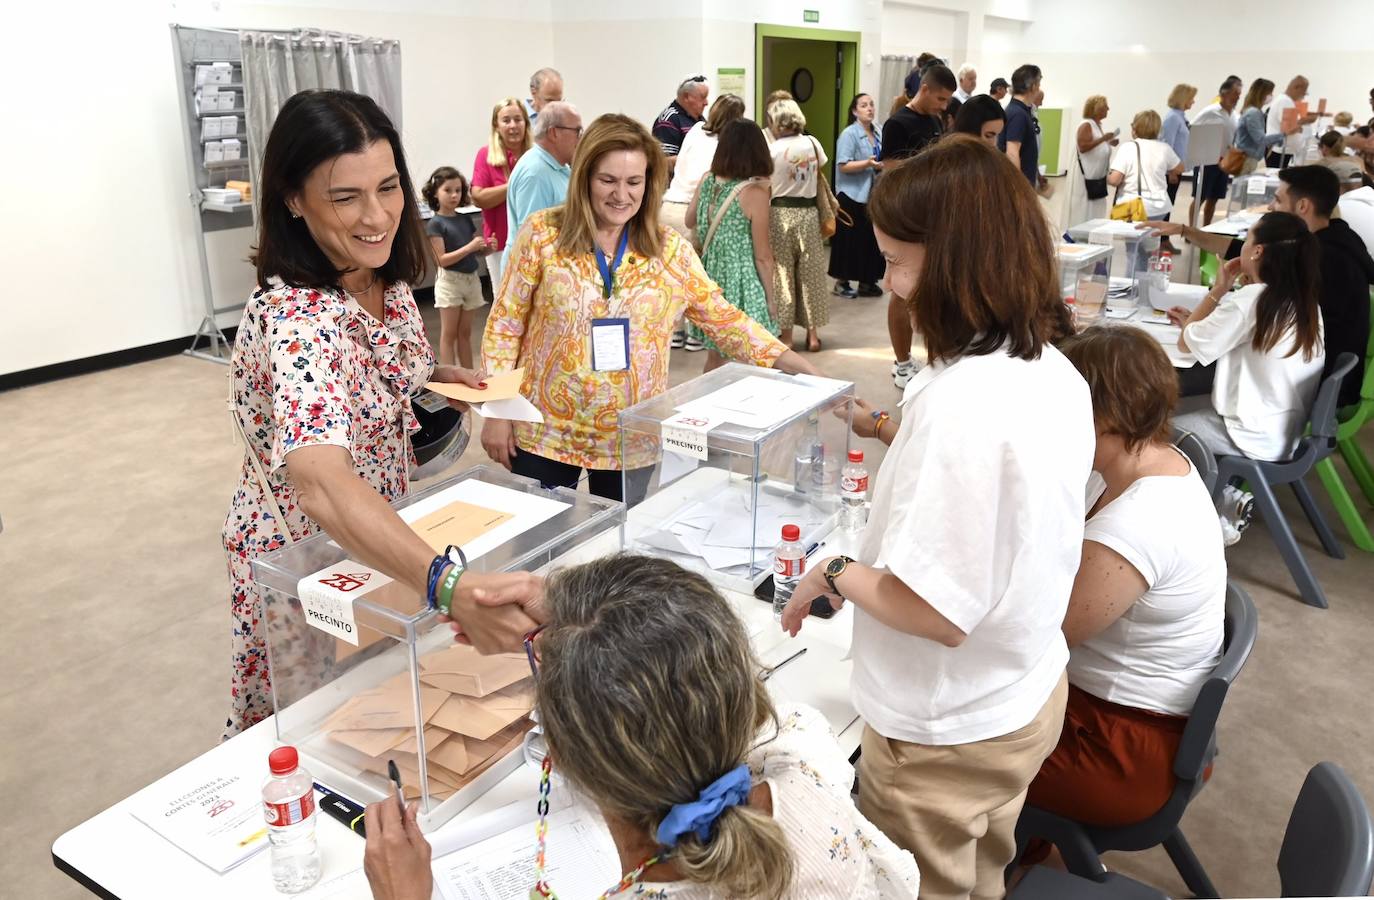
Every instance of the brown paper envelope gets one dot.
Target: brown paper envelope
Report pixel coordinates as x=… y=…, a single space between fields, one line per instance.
x=372 y=742
x=458 y=523
x=409 y=767
x=453 y=755
x=388 y=706
x=511 y=746
x=501 y=386
x=434 y=737
x=462 y=670
x=483 y=717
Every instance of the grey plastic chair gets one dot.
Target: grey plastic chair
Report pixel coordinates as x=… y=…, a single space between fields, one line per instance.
x=1316 y=445
x=1196 y=450
x=1328 y=846
x=1328 y=851
x=1081 y=845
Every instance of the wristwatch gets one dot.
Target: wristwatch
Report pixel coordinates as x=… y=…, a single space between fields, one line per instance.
x=833 y=570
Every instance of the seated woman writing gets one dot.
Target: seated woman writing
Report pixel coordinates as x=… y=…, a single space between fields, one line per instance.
x=1145 y=619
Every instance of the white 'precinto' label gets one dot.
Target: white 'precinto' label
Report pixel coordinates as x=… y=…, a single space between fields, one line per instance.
x=685 y=433
x=327 y=597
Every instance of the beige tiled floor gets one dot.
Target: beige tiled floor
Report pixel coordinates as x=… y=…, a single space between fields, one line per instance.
x=115 y=652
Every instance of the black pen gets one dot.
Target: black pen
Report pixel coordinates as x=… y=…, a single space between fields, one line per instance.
x=395 y=774
x=343 y=810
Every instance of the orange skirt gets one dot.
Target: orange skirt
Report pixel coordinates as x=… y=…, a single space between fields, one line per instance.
x=1113 y=764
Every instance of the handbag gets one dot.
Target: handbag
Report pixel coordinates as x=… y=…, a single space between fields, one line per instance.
x=703 y=245
x=827 y=204
x=1233 y=162
x=1132 y=210
x=1096 y=187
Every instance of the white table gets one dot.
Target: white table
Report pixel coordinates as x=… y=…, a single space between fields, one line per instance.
x=114 y=855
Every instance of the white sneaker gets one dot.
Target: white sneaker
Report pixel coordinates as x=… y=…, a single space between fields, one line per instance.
x=679 y=339
x=694 y=344
x=1238 y=506
x=902 y=372
x=1230 y=534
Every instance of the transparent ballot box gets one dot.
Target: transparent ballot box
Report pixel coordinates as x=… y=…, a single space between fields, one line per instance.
x=1252 y=193
x=1131 y=249
x=363 y=672
x=716 y=466
x=1084 y=279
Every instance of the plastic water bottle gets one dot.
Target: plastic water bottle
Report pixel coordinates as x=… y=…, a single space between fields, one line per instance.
x=288 y=803
x=789 y=564
x=853 y=493
x=1166 y=266
x=810 y=452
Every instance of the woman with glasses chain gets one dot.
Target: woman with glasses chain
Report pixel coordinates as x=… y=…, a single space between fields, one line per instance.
x=650 y=700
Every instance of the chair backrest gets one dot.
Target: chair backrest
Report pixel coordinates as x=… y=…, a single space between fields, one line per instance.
x=1367 y=388
x=1198 y=745
x=1322 y=422
x=1203 y=460
x=1328 y=846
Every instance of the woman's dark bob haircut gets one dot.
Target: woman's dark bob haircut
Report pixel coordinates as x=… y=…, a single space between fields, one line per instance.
x=313 y=128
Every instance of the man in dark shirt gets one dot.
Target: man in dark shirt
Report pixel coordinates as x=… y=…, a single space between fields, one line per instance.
x=915 y=126
x=1310 y=193
x=1019 y=139
x=998 y=89
x=677 y=119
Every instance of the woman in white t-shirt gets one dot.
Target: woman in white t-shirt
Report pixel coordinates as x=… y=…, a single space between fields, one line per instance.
x=1266 y=340
x=799 y=257
x=1145 y=620
x=1145 y=166
x=968 y=560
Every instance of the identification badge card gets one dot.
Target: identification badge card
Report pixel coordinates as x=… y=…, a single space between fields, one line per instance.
x=610 y=345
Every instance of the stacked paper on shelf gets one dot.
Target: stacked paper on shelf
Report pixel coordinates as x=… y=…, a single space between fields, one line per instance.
x=221 y=195
x=214 y=151
x=232 y=148
x=214 y=73
x=475 y=709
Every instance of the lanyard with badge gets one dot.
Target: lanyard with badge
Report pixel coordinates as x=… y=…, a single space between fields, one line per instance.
x=611 y=336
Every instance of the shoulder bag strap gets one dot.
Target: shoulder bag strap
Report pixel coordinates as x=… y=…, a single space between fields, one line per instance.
x=1139 y=172
x=720 y=213
x=263 y=483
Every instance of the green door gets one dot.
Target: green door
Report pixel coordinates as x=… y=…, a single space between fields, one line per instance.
x=820 y=71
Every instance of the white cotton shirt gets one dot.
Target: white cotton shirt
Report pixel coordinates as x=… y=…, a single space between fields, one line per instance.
x=693 y=162
x=1157 y=655
x=1295 y=142
x=978 y=508
x=1215 y=114
x=837 y=854
x=1263 y=398
x=1357 y=209
x=1152 y=185
x=794 y=165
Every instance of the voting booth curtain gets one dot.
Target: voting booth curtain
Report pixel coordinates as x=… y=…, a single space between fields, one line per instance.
x=892 y=80
x=277 y=65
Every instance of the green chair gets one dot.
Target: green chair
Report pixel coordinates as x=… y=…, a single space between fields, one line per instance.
x=1208 y=267
x=1349 y=421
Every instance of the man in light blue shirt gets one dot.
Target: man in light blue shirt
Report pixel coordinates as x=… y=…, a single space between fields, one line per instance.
x=540 y=179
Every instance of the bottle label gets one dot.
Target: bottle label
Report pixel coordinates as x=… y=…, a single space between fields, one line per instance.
x=293 y=812
x=789 y=568
x=852 y=486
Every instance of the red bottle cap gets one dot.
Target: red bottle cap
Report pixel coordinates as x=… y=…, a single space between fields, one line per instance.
x=856 y=456
x=283 y=760
x=789 y=533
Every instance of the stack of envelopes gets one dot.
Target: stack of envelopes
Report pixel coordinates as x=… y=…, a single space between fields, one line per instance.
x=475 y=710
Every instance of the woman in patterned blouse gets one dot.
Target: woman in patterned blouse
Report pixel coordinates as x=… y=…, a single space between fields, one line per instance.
x=603 y=260
x=330 y=350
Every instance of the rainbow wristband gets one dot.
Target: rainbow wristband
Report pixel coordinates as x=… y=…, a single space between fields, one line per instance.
x=445 y=598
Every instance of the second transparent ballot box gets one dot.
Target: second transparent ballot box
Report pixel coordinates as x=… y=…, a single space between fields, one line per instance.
x=1130 y=260
x=1084 y=279
x=1252 y=193
x=364 y=672
x=716 y=466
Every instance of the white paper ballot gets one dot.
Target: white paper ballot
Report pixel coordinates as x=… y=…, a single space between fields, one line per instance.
x=757 y=402
x=517 y=409
x=582 y=861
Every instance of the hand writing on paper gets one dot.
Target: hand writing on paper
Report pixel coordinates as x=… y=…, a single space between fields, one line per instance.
x=473 y=378
x=811 y=586
x=397 y=856
x=494 y=612
x=1178 y=315
x=498 y=439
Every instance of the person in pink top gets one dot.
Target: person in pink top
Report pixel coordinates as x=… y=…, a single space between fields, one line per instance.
x=510 y=137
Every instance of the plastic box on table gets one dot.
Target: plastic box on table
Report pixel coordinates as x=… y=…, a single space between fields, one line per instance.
x=1084 y=279
x=1254 y=192
x=347 y=709
x=1131 y=249
x=720 y=511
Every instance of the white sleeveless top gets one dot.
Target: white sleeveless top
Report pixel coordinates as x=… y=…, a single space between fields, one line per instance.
x=1095 y=161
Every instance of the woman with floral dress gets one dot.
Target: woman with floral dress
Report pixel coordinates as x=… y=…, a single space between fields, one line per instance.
x=329 y=352
x=738 y=253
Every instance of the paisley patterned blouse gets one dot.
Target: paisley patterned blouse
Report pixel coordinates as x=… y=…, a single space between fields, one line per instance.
x=542 y=321
x=837 y=853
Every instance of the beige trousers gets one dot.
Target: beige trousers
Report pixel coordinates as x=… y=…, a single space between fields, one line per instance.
x=955 y=807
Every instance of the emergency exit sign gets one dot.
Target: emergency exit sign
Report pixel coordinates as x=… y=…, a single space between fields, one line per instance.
x=811 y=15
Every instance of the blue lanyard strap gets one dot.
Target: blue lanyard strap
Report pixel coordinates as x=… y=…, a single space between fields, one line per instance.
x=608 y=270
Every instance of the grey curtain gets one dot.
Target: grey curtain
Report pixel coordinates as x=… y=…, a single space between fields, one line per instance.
x=891 y=80
x=277 y=65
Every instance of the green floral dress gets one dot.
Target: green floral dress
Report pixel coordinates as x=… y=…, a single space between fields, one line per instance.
x=730 y=258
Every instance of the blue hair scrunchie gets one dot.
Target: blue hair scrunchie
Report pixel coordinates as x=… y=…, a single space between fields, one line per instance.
x=730 y=789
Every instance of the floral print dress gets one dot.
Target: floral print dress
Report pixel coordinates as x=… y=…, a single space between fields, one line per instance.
x=311 y=367
x=730 y=258
x=837 y=853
